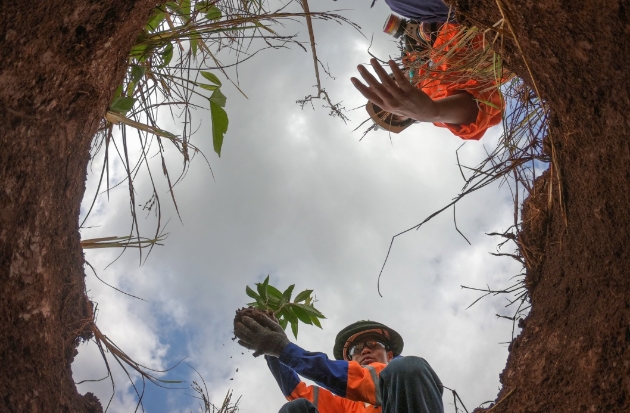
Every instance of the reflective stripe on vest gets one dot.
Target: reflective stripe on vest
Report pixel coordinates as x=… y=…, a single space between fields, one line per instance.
x=315 y=396
x=377 y=389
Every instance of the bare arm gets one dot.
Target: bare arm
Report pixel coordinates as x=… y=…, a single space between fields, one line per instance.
x=400 y=97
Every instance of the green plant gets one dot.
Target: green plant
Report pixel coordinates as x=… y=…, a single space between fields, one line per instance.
x=269 y=298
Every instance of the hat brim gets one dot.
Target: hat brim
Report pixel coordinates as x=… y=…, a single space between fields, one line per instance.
x=387 y=120
x=361 y=328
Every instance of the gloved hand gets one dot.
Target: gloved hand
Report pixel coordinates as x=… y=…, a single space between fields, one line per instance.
x=264 y=336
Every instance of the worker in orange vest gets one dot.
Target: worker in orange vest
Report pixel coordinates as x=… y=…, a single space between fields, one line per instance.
x=439 y=87
x=369 y=374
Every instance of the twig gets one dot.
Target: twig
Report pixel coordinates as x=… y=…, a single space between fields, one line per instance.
x=336 y=110
x=505 y=397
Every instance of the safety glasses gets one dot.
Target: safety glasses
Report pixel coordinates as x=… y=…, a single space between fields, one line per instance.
x=358 y=347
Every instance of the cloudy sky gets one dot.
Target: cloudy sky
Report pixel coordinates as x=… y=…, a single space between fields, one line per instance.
x=297 y=196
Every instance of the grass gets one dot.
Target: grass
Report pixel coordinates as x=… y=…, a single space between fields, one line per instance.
x=206 y=406
x=176 y=69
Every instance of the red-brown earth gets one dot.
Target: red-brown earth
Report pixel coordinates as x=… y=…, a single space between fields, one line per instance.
x=573 y=354
x=61 y=61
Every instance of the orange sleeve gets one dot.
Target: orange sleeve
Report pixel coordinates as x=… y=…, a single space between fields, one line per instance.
x=326 y=402
x=442 y=82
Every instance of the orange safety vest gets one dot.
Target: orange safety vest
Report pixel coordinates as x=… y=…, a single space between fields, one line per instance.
x=341 y=386
x=442 y=81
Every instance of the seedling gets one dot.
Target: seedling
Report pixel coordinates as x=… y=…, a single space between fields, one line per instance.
x=271 y=300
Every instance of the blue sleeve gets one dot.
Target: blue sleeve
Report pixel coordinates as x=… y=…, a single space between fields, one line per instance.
x=329 y=374
x=426 y=11
x=287 y=379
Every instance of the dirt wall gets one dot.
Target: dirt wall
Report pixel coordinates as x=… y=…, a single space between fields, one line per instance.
x=61 y=61
x=573 y=354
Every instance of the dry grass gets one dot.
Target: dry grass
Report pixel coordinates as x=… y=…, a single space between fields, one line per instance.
x=518 y=158
x=175 y=70
x=206 y=406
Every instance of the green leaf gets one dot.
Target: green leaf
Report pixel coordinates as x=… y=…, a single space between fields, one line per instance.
x=218 y=98
x=273 y=304
x=202 y=6
x=171 y=5
x=262 y=290
x=138 y=51
x=207 y=87
x=283 y=323
x=214 y=13
x=122 y=104
x=301 y=314
x=137 y=72
x=193 y=43
x=274 y=292
x=310 y=309
x=315 y=321
x=251 y=293
x=167 y=55
x=130 y=87
x=211 y=77
x=156 y=19
x=294 y=327
x=118 y=91
x=219 y=125
x=184 y=7
x=261 y=304
x=289 y=315
x=286 y=295
x=302 y=296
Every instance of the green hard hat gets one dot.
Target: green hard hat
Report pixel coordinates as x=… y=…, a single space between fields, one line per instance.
x=349 y=334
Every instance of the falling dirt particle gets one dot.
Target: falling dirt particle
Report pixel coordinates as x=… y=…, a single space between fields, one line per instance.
x=230 y=356
x=232 y=378
x=237 y=370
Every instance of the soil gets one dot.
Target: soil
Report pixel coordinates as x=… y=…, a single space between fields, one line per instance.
x=61 y=61
x=252 y=312
x=573 y=354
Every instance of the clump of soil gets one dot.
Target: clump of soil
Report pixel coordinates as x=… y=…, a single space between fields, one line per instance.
x=252 y=312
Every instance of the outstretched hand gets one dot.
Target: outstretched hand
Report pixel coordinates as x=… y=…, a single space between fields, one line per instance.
x=398 y=96
x=264 y=336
